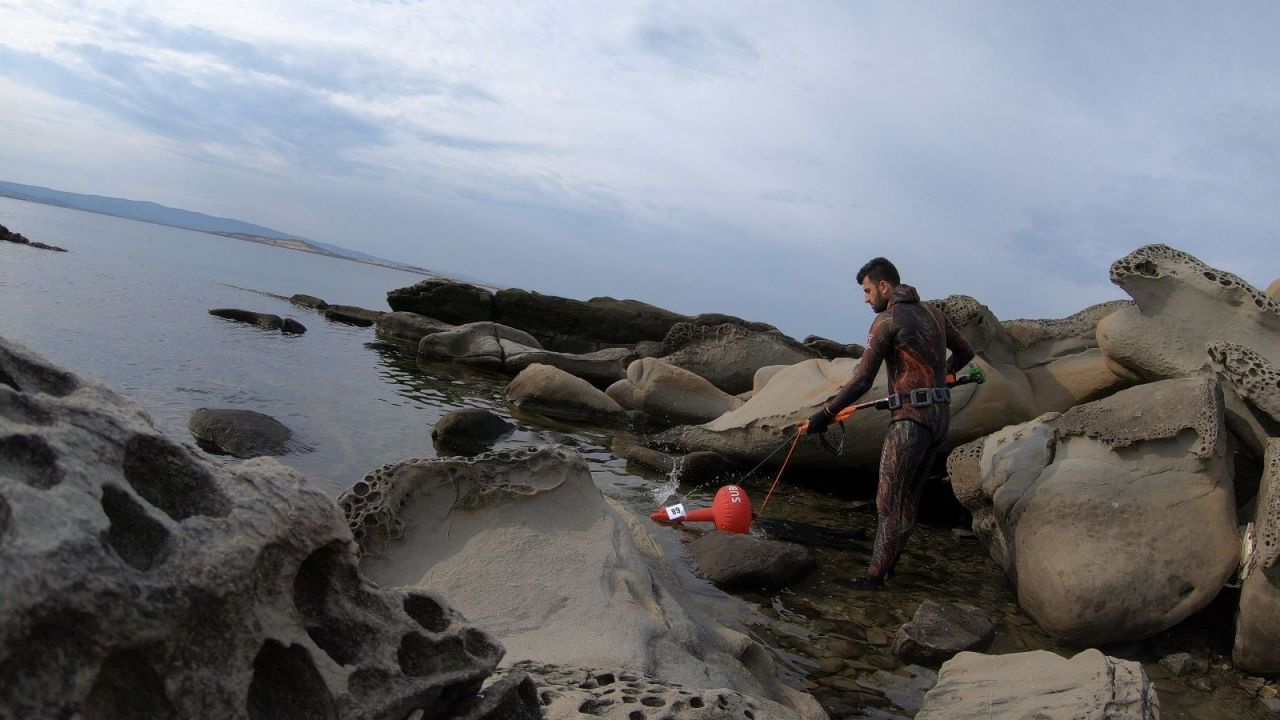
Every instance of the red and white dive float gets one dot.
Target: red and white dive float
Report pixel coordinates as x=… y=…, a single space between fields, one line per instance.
x=730 y=511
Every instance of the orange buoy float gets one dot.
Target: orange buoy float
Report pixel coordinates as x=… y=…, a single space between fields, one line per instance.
x=730 y=511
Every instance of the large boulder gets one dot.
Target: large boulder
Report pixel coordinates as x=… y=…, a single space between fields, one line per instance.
x=1115 y=520
x=352 y=315
x=552 y=392
x=143 y=580
x=1040 y=342
x=1273 y=290
x=479 y=344
x=744 y=562
x=940 y=630
x=558 y=572
x=1257 y=642
x=578 y=326
x=445 y=300
x=243 y=433
x=601 y=368
x=469 y=430
x=665 y=391
x=1182 y=305
x=729 y=355
x=1040 y=684
x=408 y=328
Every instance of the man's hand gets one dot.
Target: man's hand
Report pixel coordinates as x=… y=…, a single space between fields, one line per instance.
x=818 y=422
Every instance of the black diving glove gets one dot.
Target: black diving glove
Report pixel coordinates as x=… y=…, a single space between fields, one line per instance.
x=818 y=422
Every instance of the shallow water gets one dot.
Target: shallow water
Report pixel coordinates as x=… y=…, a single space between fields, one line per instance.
x=128 y=305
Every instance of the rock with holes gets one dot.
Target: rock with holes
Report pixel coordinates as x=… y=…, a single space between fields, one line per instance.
x=1254 y=377
x=1116 y=519
x=571 y=693
x=530 y=549
x=408 y=328
x=1257 y=643
x=745 y=562
x=142 y=580
x=552 y=392
x=1040 y=684
x=243 y=433
x=938 y=631
x=469 y=431
x=670 y=393
x=728 y=355
x=1182 y=305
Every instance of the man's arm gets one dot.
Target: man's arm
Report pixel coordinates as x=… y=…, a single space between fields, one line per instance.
x=961 y=350
x=878 y=344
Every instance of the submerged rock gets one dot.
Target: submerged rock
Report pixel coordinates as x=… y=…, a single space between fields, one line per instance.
x=20 y=239
x=407 y=327
x=743 y=562
x=1040 y=684
x=550 y=391
x=242 y=433
x=558 y=572
x=352 y=315
x=172 y=587
x=940 y=630
x=470 y=430
x=308 y=301
x=265 y=321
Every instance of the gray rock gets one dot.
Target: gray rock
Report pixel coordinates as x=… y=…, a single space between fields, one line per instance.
x=1177 y=664
x=703 y=466
x=573 y=693
x=289 y=326
x=649 y=348
x=729 y=355
x=470 y=430
x=1257 y=632
x=446 y=300
x=352 y=315
x=742 y=562
x=407 y=327
x=479 y=344
x=1040 y=684
x=831 y=349
x=555 y=320
x=143 y=580
x=265 y=321
x=552 y=392
x=243 y=433
x=1271 y=704
x=940 y=630
x=309 y=301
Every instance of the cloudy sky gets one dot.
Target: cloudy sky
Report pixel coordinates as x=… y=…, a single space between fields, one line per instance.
x=737 y=156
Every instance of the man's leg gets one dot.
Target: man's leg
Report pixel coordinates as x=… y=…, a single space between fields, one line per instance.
x=905 y=461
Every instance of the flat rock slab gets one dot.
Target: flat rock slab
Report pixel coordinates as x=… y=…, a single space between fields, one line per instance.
x=242 y=433
x=940 y=630
x=740 y=562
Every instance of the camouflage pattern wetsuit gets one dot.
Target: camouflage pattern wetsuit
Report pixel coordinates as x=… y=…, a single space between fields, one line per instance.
x=912 y=338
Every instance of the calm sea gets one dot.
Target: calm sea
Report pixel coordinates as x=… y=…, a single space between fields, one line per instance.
x=128 y=305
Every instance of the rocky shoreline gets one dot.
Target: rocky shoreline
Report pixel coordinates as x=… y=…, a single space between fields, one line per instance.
x=18 y=238
x=1121 y=466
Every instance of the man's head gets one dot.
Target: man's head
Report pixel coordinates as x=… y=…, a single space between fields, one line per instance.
x=878 y=279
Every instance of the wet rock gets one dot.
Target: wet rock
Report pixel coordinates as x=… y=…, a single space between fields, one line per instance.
x=743 y=562
x=480 y=344
x=905 y=687
x=308 y=301
x=265 y=321
x=1271 y=704
x=601 y=368
x=703 y=467
x=550 y=391
x=1115 y=520
x=1040 y=684
x=558 y=572
x=729 y=355
x=352 y=315
x=408 y=328
x=170 y=586
x=470 y=430
x=446 y=300
x=1203 y=684
x=940 y=630
x=1177 y=664
x=1182 y=305
x=649 y=348
x=242 y=433
x=20 y=239
x=653 y=459
x=671 y=393
x=576 y=325
x=289 y=326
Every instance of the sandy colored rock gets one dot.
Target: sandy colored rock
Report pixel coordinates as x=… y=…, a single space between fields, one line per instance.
x=1181 y=306
x=1040 y=684
x=1065 y=382
x=558 y=572
x=142 y=580
x=1254 y=377
x=729 y=355
x=1273 y=290
x=1038 y=342
x=1257 y=640
x=764 y=375
x=671 y=393
x=1116 y=519
x=550 y=391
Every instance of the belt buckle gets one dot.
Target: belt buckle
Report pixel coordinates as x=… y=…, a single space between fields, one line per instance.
x=920 y=397
x=940 y=395
x=895 y=401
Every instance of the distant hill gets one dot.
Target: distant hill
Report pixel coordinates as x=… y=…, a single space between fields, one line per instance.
x=162 y=215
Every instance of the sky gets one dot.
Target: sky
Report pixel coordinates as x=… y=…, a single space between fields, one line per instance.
x=739 y=157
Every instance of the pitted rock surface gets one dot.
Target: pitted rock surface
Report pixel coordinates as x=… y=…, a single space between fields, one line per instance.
x=537 y=555
x=1182 y=306
x=1257 y=636
x=169 y=587
x=1255 y=378
x=568 y=693
x=979 y=326
x=1160 y=411
x=1037 y=342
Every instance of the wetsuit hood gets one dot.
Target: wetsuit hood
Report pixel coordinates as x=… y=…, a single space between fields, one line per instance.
x=903 y=294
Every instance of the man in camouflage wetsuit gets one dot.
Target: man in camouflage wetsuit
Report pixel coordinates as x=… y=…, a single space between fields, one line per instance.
x=912 y=338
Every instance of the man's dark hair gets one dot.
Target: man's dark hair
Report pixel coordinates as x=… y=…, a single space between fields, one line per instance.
x=879 y=269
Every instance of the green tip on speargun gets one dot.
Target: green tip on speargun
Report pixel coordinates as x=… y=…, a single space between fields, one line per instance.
x=975 y=375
